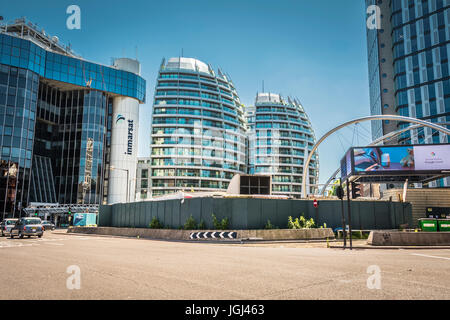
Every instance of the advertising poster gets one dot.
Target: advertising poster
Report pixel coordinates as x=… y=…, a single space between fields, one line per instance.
x=390 y=159
x=375 y=159
x=432 y=157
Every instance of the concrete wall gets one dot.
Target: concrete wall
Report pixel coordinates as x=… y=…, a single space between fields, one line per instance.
x=379 y=238
x=300 y=234
x=246 y=213
x=420 y=199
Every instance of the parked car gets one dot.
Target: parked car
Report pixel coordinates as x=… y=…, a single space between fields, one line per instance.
x=48 y=225
x=27 y=227
x=6 y=226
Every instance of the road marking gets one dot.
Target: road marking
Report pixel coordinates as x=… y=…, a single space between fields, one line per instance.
x=424 y=255
x=15 y=245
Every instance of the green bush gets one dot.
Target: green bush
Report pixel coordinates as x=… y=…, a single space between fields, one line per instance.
x=269 y=225
x=225 y=224
x=155 y=224
x=220 y=225
x=190 y=224
x=301 y=223
x=310 y=224
x=201 y=225
x=216 y=222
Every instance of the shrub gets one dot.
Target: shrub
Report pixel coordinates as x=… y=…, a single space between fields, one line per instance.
x=190 y=223
x=301 y=223
x=269 y=225
x=201 y=225
x=220 y=225
x=155 y=224
x=216 y=222
x=225 y=224
x=310 y=224
x=291 y=224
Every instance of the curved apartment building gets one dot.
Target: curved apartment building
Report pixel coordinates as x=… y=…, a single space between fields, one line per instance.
x=198 y=139
x=280 y=137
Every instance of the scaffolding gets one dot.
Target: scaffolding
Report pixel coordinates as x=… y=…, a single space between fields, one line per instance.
x=55 y=208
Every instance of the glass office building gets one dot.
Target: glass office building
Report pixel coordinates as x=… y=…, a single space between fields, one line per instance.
x=56 y=120
x=143 y=178
x=408 y=67
x=280 y=138
x=198 y=129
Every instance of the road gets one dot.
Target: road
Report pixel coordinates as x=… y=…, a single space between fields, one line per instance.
x=128 y=268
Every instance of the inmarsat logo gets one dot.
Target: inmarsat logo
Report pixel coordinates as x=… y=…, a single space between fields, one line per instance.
x=119 y=117
x=130 y=138
x=433 y=154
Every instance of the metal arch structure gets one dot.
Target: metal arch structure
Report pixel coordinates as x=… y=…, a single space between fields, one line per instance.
x=388 y=136
x=362 y=119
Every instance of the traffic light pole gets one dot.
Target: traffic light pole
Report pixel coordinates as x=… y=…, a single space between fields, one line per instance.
x=343 y=215
x=349 y=214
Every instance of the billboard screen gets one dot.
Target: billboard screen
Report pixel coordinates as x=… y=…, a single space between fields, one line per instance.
x=400 y=159
x=346 y=164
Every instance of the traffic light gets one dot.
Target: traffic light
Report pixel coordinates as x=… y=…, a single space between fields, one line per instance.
x=35 y=213
x=340 y=192
x=70 y=211
x=356 y=190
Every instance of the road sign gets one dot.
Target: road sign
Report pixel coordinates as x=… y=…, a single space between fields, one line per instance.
x=316 y=204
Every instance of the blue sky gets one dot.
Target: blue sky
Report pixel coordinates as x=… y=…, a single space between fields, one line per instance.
x=314 y=50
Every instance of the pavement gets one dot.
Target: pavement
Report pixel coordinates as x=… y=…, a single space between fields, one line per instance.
x=131 y=268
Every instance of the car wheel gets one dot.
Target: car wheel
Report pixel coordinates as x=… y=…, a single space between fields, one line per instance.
x=40 y=236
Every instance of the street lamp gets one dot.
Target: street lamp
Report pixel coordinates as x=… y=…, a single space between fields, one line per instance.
x=114 y=168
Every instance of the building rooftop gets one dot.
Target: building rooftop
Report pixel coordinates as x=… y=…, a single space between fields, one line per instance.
x=268 y=97
x=188 y=64
x=29 y=31
x=192 y=64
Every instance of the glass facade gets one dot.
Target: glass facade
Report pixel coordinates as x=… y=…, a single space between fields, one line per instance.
x=72 y=129
x=421 y=46
x=414 y=35
x=281 y=136
x=18 y=100
x=42 y=187
x=408 y=67
x=55 y=121
x=143 y=178
x=374 y=77
x=25 y=54
x=198 y=129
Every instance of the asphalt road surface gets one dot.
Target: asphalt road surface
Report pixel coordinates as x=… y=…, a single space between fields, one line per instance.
x=125 y=268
